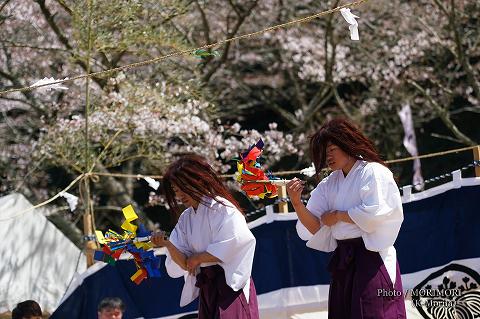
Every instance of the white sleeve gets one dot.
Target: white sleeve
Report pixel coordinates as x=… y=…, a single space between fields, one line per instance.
x=380 y=214
x=302 y=231
x=317 y=205
x=232 y=243
x=179 y=240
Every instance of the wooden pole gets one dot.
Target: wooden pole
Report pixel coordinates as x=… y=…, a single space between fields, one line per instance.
x=476 y=156
x=90 y=244
x=282 y=196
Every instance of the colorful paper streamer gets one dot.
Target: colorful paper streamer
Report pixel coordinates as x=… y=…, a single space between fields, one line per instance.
x=136 y=241
x=250 y=174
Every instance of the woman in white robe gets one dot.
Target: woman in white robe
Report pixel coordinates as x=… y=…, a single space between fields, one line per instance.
x=356 y=212
x=211 y=246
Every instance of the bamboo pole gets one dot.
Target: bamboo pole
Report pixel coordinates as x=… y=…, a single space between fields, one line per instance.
x=282 y=196
x=282 y=192
x=278 y=182
x=90 y=244
x=476 y=156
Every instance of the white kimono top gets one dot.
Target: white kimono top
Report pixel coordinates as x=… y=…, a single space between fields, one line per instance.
x=371 y=197
x=216 y=227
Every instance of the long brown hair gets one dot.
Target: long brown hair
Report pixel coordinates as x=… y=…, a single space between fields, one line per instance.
x=194 y=176
x=345 y=135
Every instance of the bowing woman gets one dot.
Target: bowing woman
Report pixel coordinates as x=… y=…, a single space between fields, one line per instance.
x=211 y=245
x=356 y=212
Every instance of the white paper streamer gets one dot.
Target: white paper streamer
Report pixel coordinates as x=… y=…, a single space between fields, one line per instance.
x=152 y=183
x=56 y=86
x=353 y=24
x=72 y=200
x=410 y=143
x=309 y=171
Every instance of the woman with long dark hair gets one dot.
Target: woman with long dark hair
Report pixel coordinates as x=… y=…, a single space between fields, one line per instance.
x=356 y=212
x=211 y=245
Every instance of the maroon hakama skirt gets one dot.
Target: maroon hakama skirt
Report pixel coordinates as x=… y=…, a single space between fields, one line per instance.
x=361 y=287
x=218 y=301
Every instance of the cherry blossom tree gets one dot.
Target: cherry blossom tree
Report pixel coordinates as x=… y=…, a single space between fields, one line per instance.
x=138 y=121
x=279 y=85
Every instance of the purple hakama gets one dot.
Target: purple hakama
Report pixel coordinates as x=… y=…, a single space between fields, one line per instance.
x=361 y=287
x=219 y=301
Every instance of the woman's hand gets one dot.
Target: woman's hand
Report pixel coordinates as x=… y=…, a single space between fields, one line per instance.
x=294 y=190
x=329 y=218
x=159 y=239
x=192 y=264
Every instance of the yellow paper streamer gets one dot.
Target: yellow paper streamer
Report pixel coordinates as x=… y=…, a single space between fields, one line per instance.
x=143 y=245
x=239 y=170
x=130 y=215
x=135 y=275
x=100 y=237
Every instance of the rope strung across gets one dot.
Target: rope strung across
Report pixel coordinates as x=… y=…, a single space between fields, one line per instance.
x=292 y=172
x=188 y=51
x=79 y=177
x=94 y=176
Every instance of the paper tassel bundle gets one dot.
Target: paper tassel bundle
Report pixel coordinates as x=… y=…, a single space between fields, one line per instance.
x=250 y=174
x=136 y=241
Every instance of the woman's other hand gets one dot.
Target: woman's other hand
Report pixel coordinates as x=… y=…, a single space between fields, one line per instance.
x=192 y=264
x=329 y=218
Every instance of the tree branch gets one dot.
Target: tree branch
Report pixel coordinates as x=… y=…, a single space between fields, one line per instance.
x=65 y=6
x=341 y=103
x=129 y=181
x=444 y=137
x=21 y=45
x=291 y=120
x=458 y=40
x=50 y=18
x=230 y=34
x=234 y=7
x=117 y=57
x=206 y=26
x=121 y=196
x=444 y=116
x=472 y=109
x=18 y=100
x=4 y=4
x=460 y=52
x=14 y=80
x=298 y=91
x=329 y=61
x=319 y=100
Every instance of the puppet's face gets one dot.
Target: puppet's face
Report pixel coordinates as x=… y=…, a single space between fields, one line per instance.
x=184 y=197
x=337 y=158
